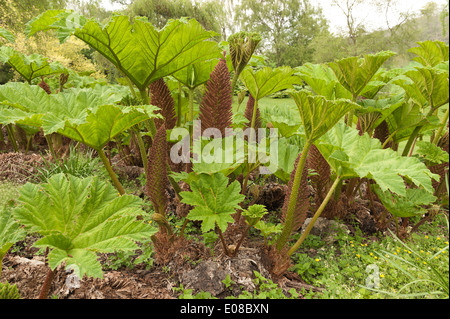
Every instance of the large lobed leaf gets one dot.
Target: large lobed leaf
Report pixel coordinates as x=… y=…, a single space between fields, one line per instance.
x=267 y=81
x=430 y=53
x=85 y=115
x=354 y=73
x=10 y=231
x=319 y=114
x=79 y=218
x=5 y=34
x=352 y=155
x=196 y=74
x=29 y=66
x=426 y=86
x=409 y=205
x=322 y=81
x=139 y=50
x=214 y=200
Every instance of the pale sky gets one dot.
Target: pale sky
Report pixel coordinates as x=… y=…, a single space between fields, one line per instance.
x=366 y=14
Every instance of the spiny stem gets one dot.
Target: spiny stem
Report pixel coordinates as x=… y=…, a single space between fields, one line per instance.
x=142 y=151
x=150 y=123
x=244 y=234
x=441 y=127
x=315 y=217
x=411 y=140
x=50 y=147
x=191 y=105
x=227 y=252
x=111 y=173
x=179 y=104
x=287 y=229
x=233 y=82
x=11 y=136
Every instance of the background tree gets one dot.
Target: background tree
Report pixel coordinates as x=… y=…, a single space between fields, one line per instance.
x=287 y=27
x=159 y=12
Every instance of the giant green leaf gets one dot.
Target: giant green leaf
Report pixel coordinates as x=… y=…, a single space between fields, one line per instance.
x=79 y=218
x=29 y=66
x=196 y=74
x=352 y=155
x=218 y=155
x=267 y=81
x=139 y=50
x=5 y=34
x=29 y=105
x=354 y=73
x=430 y=53
x=426 y=86
x=321 y=79
x=100 y=125
x=214 y=200
x=319 y=114
x=405 y=206
x=10 y=232
x=280 y=164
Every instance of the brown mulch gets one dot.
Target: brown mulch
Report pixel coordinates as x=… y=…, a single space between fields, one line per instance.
x=18 y=167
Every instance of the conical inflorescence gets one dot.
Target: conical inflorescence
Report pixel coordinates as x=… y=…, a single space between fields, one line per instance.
x=160 y=96
x=215 y=107
x=157 y=179
x=43 y=85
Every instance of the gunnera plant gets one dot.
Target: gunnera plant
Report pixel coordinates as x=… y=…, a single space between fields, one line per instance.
x=249 y=114
x=215 y=107
x=157 y=178
x=160 y=96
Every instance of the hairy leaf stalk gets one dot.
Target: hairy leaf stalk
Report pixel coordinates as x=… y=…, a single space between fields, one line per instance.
x=314 y=219
x=290 y=211
x=111 y=173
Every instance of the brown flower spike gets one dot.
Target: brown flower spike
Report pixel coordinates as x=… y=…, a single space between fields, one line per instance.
x=215 y=107
x=157 y=179
x=160 y=96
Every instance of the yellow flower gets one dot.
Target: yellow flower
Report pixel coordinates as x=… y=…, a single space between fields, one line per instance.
x=382 y=275
x=353 y=245
x=351 y=241
x=317 y=259
x=421 y=251
x=424 y=262
x=409 y=252
x=358 y=255
x=395 y=253
x=371 y=254
x=426 y=237
x=438 y=238
x=376 y=257
x=446 y=242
